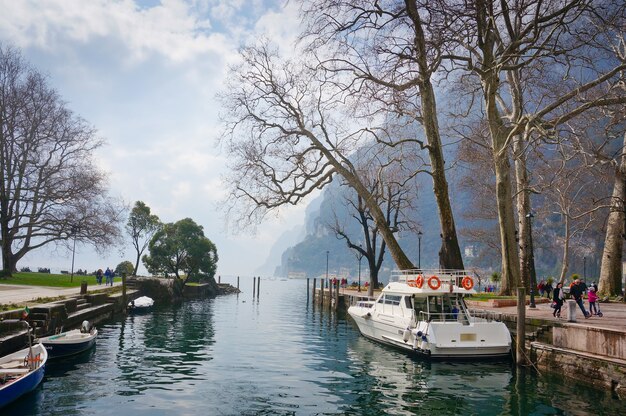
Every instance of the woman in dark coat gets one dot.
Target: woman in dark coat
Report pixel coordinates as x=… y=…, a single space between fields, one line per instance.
x=557 y=297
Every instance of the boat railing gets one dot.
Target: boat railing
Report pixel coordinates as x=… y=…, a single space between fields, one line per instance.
x=445 y=275
x=442 y=317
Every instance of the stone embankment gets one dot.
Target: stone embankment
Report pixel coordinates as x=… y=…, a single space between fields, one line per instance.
x=71 y=311
x=590 y=350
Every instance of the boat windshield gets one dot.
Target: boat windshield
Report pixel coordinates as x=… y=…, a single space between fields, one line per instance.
x=446 y=308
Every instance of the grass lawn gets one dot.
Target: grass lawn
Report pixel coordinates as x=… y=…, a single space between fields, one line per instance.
x=47 y=279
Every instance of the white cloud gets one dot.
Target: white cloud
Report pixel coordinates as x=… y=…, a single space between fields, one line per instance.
x=146 y=78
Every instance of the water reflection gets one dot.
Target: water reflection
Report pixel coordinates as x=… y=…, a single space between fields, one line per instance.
x=235 y=355
x=166 y=347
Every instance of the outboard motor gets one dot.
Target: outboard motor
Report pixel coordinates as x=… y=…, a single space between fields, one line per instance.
x=85 y=327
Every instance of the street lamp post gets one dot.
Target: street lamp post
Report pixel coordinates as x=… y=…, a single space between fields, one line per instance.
x=326 y=265
x=531 y=261
x=585 y=269
x=419 y=249
x=74 y=230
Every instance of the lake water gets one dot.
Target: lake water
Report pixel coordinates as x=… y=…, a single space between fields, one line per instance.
x=276 y=355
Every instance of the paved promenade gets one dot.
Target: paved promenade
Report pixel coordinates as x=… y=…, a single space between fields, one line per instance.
x=24 y=294
x=614 y=313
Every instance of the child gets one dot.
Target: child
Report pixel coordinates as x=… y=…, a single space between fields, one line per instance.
x=593 y=298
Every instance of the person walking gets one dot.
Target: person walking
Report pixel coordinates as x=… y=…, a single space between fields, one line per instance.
x=99 y=276
x=557 y=296
x=107 y=276
x=577 y=291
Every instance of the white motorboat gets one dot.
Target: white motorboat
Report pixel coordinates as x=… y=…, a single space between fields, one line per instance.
x=141 y=304
x=423 y=312
x=70 y=342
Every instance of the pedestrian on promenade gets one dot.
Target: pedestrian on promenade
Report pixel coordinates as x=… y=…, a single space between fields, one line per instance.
x=99 y=276
x=593 y=298
x=548 y=289
x=557 y=295
x=107 y=275
x=577 y=290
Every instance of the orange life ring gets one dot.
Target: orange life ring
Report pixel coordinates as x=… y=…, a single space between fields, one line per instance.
x=436 y=284
x=419 y=281
x=467 y=283
x=411 y=283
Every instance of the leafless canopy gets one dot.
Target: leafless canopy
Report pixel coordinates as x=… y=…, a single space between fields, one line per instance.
x=51 y=188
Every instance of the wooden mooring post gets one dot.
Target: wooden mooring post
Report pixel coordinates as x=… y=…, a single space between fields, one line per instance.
x=520 y=337
x=307 y=290
x=237 y=282
x=258 y=286
x=253 y=286
x=321 y=295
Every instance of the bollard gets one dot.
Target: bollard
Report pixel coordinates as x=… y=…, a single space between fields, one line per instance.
x=571 y=310
x=83 y=287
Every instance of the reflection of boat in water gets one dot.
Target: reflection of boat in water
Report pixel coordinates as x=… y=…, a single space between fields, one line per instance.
x=423 y=312
x=21 y=372
x=70 y=342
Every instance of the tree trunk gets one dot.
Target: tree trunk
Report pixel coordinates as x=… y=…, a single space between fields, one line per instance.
x=564 y=267
x=373 y=276
x=611 y=267
x=136 y=264
x=506 y=222
x=450 y=252
x=523 y=209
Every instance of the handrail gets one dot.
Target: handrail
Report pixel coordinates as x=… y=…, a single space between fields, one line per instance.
x=443 y=274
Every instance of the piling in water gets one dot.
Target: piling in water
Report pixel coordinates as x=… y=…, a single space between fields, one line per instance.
x=253 y=286
x=520 y=356
x=258 y=286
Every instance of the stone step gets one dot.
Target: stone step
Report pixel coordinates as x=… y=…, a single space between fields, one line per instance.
x=82 y=306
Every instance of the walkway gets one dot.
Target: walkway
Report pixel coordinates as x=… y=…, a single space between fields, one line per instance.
x=17 y=294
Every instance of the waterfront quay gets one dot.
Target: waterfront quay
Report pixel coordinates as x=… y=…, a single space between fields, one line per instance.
x=589 y=350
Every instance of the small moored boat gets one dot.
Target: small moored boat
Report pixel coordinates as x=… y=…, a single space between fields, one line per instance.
x=70 y=342
x=423 y=312
x=141 y=304
x=21 y=372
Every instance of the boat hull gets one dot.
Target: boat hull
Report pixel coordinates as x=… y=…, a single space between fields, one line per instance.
x=393 y=335
x=70 y=343
x=16 y=389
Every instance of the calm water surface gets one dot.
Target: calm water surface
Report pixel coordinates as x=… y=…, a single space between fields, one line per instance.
x=236 y=355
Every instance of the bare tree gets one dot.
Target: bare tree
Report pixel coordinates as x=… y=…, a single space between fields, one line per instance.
x=288 y=133
x=392 y=51
x=501 y=39
x=396 y=198
x=50 y=184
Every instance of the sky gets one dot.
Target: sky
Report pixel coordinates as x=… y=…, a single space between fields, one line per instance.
x=145 y=74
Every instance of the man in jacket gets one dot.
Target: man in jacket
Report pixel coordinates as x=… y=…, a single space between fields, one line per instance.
x=577 y=291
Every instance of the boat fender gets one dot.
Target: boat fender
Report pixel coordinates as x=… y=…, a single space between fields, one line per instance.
x=406 y=335
x=424 y=338
x=419 y=333
x=85 y=328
